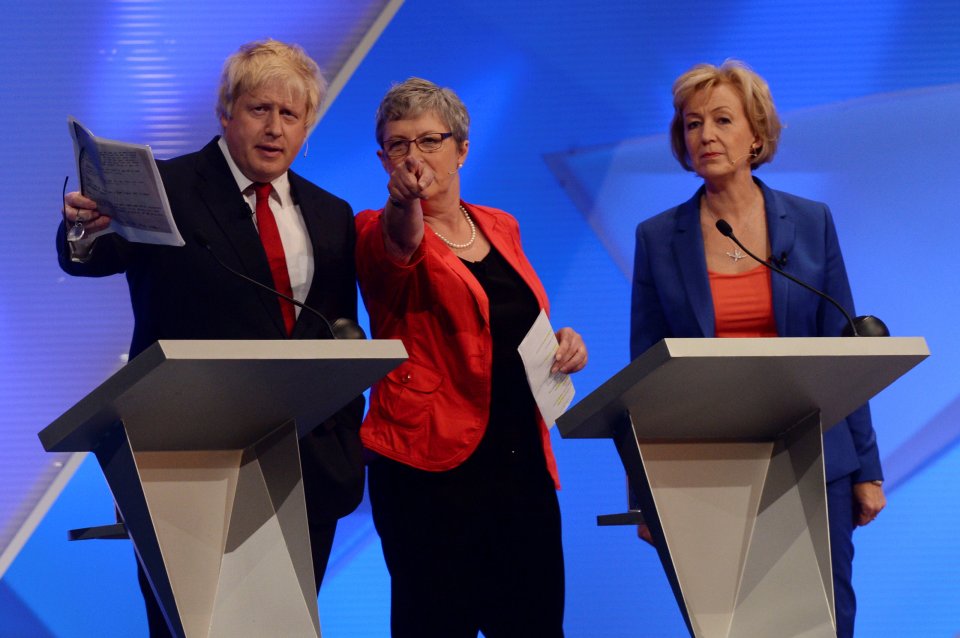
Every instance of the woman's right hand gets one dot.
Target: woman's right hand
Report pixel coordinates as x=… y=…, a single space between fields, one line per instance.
x=403 y=214
x=77 y=207
x=409 y=180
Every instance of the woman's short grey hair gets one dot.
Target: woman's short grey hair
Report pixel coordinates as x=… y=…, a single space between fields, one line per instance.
x=415 y=96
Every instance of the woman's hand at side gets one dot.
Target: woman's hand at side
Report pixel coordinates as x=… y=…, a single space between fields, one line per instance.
x=571 y=354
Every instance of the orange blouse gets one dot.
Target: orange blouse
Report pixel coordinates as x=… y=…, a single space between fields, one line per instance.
x=743 y=304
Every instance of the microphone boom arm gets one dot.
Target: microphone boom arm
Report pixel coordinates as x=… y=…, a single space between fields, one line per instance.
x=727 y=231
x=202 y=241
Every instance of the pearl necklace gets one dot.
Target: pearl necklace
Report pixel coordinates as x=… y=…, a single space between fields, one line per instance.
x=473 y=233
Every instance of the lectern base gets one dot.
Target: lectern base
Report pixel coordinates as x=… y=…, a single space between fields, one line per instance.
x=231 y=528
x=741 y=529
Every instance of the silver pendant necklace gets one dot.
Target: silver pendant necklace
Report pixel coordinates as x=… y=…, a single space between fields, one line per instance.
x=465 y=245
x=736 y=255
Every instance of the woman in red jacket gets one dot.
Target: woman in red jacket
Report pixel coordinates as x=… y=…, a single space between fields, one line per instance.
x=463 y=479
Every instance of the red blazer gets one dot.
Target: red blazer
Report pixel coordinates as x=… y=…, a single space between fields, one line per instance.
x=432 y=411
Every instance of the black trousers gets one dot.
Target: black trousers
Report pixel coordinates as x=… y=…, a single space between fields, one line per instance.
x=473 y=549
x=840 y=508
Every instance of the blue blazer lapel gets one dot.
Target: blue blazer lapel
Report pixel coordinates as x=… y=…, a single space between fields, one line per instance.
x=692 y=263
x=782 y=233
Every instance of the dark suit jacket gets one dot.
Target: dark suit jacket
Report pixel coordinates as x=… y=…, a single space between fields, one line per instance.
x=672 y=298
x=182 y=293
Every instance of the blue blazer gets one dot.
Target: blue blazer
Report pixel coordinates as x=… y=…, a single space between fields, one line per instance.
x=672 y=298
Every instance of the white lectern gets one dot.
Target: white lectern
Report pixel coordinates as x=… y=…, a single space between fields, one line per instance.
x=722 y=443
x=198 y=441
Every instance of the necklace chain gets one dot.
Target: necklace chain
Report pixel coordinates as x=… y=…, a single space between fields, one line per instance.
x=736 y=255
x=473 y=233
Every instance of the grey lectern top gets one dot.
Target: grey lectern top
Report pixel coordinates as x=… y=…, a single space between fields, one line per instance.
x=742 y=388
x=238 y=390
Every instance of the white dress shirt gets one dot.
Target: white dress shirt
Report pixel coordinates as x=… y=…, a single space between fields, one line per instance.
x=293 y=230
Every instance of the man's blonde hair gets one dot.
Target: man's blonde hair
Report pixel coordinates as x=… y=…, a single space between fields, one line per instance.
x=257 y=64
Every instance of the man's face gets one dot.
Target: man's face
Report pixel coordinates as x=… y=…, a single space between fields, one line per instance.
x=265 y=131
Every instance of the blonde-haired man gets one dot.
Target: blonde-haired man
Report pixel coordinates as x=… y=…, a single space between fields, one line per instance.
x=238 y=198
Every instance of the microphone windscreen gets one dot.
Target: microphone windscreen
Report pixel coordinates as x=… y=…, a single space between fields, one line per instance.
x=867 y=326
x=344 y=328
x=724 y=228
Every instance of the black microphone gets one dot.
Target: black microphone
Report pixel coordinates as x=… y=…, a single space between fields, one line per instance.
x=869 y=326
x=342 y=328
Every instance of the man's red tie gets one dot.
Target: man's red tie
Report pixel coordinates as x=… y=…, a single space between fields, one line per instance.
x=270 y=237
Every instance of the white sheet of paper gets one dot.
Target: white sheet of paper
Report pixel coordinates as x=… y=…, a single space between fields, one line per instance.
x=124 y=181
x=552 y=392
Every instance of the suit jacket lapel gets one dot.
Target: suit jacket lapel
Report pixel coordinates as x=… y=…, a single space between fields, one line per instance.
x=498 y=239
x=506 y=244
x=311 y=210
x=782 y=233
x=692 y=263
x=453 y=262
x=221 y=195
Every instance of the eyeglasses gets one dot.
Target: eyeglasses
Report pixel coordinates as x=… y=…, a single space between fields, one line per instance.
x=429 y=143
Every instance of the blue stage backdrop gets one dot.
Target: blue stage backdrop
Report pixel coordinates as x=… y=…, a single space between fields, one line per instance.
x=570 y=103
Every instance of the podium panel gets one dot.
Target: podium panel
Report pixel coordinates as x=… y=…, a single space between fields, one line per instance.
x=198 y=441
x=722 y=442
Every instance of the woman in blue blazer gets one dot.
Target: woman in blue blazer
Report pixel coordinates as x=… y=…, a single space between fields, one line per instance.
x=691 y=281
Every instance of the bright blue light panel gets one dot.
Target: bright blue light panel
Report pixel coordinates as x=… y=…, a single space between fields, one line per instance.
x=542 y=80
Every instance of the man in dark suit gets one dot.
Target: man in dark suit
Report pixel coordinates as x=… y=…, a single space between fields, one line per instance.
x=299 y=240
